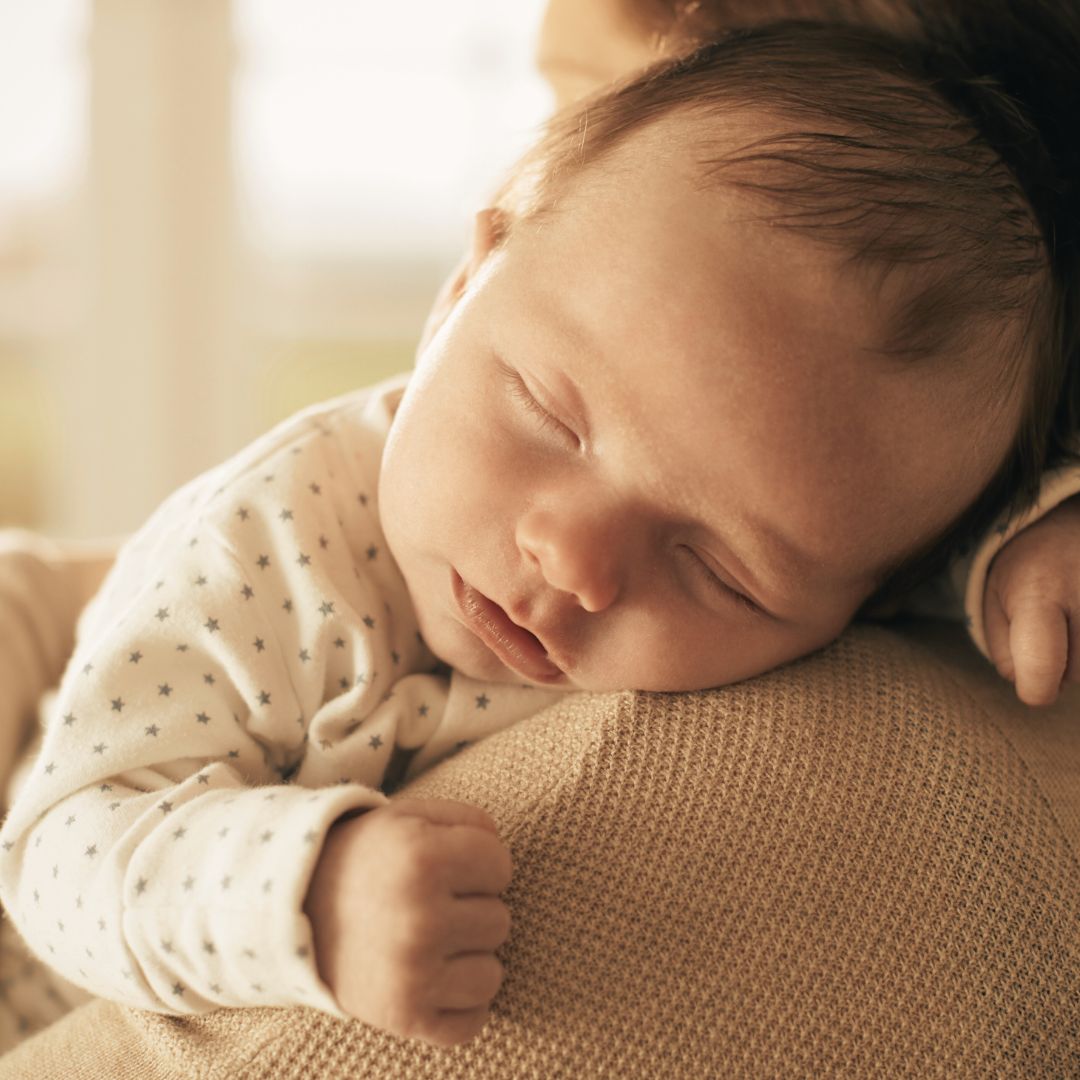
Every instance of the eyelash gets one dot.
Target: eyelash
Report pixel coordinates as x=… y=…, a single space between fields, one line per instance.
x=719 y=585
x=520 y=390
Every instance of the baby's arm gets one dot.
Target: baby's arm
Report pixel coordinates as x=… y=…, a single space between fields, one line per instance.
x=157 y=855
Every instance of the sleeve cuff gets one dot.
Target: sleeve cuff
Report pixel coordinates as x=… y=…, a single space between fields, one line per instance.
x=220 y=922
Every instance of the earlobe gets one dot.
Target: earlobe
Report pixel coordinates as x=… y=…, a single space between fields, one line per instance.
x=490 y=227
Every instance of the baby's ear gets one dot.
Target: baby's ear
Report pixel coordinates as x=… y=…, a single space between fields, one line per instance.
x=489 y=229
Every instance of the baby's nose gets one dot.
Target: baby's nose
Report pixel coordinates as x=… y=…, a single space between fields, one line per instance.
x=575 y=554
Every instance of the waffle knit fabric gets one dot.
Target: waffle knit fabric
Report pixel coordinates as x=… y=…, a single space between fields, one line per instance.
x=861 y=865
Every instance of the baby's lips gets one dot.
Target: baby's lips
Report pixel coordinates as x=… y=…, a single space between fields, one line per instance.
x=517 y=648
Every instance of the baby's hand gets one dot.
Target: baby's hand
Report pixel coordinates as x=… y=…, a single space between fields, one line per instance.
x=406 y=917
x=1032 y=606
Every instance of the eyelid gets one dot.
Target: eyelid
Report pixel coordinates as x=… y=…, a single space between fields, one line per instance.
x=525 y=394
x=724 y=586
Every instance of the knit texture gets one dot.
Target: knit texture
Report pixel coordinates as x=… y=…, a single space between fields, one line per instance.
x=861 y=865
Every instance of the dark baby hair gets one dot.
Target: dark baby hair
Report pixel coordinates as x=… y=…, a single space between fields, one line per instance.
x=899 y=151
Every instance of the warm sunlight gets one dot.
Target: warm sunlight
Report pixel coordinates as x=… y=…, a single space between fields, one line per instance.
x=212 y=214
x=375 y=127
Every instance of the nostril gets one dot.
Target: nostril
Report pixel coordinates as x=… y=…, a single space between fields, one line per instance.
x=597 y=598
x=572 y=555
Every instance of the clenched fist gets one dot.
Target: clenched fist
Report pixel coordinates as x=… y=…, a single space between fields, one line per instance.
x=1032 y=606
x=406 y=917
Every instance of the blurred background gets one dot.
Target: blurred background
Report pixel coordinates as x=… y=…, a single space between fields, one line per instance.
x=214 y=212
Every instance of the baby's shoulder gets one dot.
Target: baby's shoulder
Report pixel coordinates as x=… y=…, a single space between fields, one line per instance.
x=329 y=447
x=315 y=473
x=355 y=423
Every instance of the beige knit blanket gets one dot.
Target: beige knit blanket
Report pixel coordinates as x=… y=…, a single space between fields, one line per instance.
x=863 y=865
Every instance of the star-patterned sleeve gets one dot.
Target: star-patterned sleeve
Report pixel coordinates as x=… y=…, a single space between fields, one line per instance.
x=238 y=685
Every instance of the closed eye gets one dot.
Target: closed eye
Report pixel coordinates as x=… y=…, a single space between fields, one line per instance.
x=520 y=391
x=718 y=585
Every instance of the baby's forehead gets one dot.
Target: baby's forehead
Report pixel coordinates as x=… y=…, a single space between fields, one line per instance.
x=850 y=209
x=702 y=148
x=689 y=133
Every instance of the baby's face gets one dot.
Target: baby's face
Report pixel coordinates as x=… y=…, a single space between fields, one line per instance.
x=648 y=448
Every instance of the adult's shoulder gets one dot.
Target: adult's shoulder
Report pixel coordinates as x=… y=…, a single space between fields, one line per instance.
x=859 y=863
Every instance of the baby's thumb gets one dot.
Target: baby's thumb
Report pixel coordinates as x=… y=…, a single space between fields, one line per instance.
x=1039 y=645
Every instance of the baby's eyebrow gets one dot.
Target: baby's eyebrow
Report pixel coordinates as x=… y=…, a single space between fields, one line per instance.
x=786 y=551
x=788 y=563
x=797 y=567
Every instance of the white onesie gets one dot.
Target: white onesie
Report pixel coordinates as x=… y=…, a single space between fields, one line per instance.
x=250 y=671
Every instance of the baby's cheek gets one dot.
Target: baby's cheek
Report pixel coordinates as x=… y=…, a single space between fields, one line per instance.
x=492 y=470
x=648 y=648
x=701 y=653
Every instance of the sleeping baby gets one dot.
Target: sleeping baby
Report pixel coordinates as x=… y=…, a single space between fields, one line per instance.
x=739 y=350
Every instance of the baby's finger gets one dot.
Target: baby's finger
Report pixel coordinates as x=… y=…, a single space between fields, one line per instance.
x=996 y=626
x=1072 y=672
x=1039 y=644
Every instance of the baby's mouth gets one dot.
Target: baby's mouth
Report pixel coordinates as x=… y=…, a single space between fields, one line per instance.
x=517 y=648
